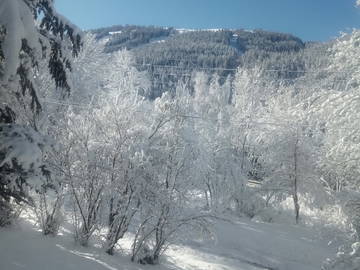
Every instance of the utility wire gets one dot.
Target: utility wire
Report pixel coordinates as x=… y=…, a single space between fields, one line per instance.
x=246 y=124
x=236 y=69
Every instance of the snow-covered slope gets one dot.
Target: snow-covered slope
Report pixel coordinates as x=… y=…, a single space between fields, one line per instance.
x=239 y=245
x=274 y=246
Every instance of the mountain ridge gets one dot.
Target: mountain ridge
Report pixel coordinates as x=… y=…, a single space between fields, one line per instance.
x=169 y=54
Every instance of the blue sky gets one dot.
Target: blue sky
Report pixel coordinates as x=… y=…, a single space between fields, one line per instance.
x=317 y=20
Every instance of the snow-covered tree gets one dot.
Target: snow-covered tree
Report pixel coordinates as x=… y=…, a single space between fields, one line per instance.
x=31 y=30
x=337 y=114
x=289 y=152
x=80 y=162
x=169 y=178
x=124 y=142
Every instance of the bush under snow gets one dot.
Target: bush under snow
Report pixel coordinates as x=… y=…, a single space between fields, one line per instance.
x=348 y=259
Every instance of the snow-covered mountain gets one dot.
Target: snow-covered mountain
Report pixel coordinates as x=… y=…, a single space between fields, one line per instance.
x=183 y=51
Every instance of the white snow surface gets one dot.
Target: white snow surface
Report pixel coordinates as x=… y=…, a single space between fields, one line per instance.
x=238 y=245
x=159 y=39
x=115 y=32
x=186 y=30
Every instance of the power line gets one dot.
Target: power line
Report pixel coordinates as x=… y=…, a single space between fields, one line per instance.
x=189 y=71
x=220 y=76
x=235 y=69
x=65 y=104
x=250 y=123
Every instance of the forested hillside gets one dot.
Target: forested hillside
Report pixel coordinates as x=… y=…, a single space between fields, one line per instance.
x=172 y=55
x=163 y=137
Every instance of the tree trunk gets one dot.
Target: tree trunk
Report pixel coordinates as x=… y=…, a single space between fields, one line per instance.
x=297 y=207
x=295 y=194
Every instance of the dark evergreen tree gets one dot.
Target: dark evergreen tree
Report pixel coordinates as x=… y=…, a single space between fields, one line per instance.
x=30 y=31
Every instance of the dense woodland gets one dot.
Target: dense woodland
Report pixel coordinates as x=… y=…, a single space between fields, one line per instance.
x=170 y=55
x=247 y=123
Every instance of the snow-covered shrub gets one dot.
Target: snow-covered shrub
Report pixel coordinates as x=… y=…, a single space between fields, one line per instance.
x=352 y=209
x=346 y=259
x=330 y=220
x=270 y=215
x=5 y=213
x=156 y=232
x=249 y=203
x=8 y=213
x=85 y=163
x=48 y=210
x=21 y=164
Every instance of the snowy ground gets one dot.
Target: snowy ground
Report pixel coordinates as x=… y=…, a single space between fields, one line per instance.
x=242 y=245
